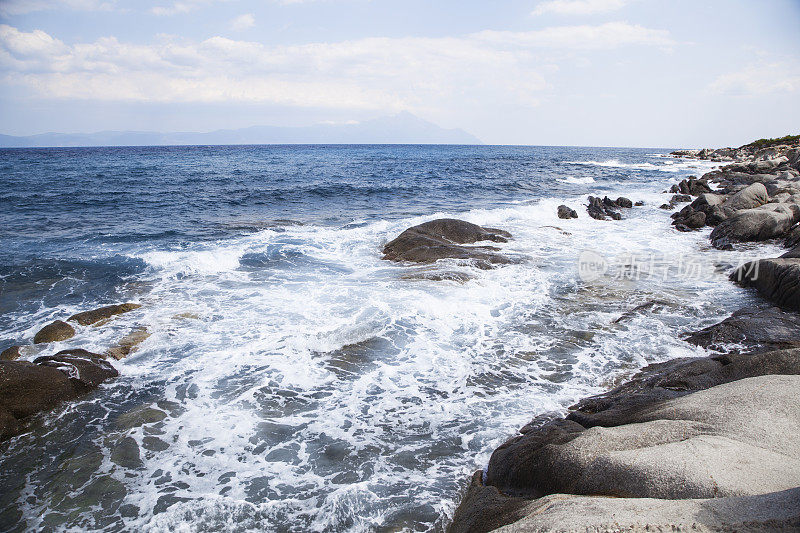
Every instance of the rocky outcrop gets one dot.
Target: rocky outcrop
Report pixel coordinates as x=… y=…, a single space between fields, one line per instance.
x=759 y=224
x=751 y=330
x=27 y=388
x=445 y=238
x=668 y=434
x=104 y=313
x=777 y=280
x=54 y=332
x=566 y=213
x=601 y=209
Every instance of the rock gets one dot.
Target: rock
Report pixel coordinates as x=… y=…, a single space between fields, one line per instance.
x=128 y=344
x=777 y=280
x=444 y=238
x=54 y=332
x=751 y=330
x=750 y=197
x=10 y=354
x=667 y=207
x=96 y=315
x=27 y=388
x=83 y=367
x=762 y=223
x=680 y=198
x=439 y=275
x=126 y=453
x=695 y=220
x=624 y=202
x=566 y=212
x=668 y=434
x=776 y=511
x=639 y=203
x=599 y=209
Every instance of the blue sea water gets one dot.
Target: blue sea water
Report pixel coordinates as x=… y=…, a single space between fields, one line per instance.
x=292 y=380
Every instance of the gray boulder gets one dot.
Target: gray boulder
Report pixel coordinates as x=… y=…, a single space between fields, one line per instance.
x=762 y=223
x=752 y=196
x=777 y=280
x=751 y=329
x=444 y=238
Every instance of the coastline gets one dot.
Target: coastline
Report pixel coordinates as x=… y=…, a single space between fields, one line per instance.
x=665 y=450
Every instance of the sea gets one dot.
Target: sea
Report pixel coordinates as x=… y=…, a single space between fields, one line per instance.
x=293 y=380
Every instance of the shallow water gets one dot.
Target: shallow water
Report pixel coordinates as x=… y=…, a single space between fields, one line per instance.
x=293 y=381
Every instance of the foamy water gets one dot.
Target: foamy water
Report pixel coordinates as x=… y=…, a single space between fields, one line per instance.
x=294 y=381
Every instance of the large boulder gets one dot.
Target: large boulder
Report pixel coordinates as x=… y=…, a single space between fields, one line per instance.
x=27 y=387
x=777 y=280
x=96 y=315
x=752 y=196
x=54 y=332
x=751 y=329
x=679 y=449
x=445 y=238
x=776 y=511
x=759 y=224
x=602 y=208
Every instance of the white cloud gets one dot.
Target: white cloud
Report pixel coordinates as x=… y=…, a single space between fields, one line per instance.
x=371 y=73
x=180 y=7
x=579 y=7
x=759 y=79
x=20 y=7
x=243 y=22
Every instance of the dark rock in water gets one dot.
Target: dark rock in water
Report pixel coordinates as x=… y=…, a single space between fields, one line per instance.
x=10 y=354
x=759 y=224
x=128 y=344
x=485 y=509
x=444 y=238
x=777 y=280
x=623 y=202
x=566 y=212
x=96 y=315
x=87 y=368
x=54 y=332
x=459 y=277
x=680 y=198
x=695 y=220
x=126 y=453
x=667 y=207
x=639 y=203
x=599 y=208
x=751 y=330
x=27 y=388
x=651 y=306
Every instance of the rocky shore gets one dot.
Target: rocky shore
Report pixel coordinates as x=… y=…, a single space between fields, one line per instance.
x=30 y=387
x=700 y=444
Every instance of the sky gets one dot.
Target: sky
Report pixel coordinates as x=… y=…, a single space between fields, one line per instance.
x=649 y=73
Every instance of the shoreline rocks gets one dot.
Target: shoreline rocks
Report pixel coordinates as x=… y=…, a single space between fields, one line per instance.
x=446 y=239
x=54 y=332
x=566 y=212
x=94 y=316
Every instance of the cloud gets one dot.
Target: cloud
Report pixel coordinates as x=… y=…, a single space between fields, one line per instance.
x=21 y=7
x=371 y=73
x=579 y=7
x=759 y=79
x=243 y=22
x=180 y=7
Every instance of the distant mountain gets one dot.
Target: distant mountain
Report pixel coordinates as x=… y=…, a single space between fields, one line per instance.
x=403 y=128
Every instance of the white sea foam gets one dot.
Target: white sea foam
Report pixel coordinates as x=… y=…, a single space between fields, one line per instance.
x=577 y=181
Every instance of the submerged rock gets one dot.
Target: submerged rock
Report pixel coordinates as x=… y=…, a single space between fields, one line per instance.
x=565 y=212
x=445 y=238
x=54 y=332
x=128 y=344
x=96 y=315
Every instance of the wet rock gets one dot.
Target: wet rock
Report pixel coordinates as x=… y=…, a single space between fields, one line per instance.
x=126 y=453
x=566 y=212
x=777 y=280
x=27 y=387
x=759 y=224
x=10 y=354
x=680 y=198
x=751 y=330
x=639 y=203
x=128 y=344
x=445 y=238
x=667 y=207
x=648 y=307
x=54 y=332
x=445 y=275
x=96 y=315
x=140 y=416
x=750 y=197
x=624 y=202
x=600 y=209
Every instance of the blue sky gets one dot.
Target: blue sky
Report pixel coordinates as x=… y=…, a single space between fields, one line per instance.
x=575 y=72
